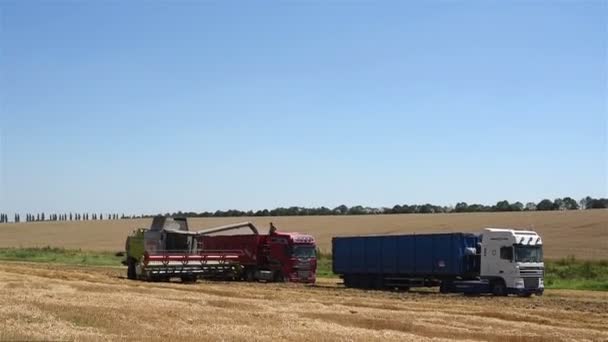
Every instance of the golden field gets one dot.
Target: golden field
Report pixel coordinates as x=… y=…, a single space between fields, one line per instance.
x=582 y=233
x=53 y=302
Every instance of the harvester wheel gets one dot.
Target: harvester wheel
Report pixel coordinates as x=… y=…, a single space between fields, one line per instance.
x=131 y=274
x=444 y=287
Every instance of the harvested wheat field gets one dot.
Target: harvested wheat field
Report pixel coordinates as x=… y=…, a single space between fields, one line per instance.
x=51 y=302
x=582 y=233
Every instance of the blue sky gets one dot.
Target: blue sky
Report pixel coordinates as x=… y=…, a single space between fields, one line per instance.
x=147 y=107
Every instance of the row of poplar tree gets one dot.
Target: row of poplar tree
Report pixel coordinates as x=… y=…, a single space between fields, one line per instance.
x=62 y=217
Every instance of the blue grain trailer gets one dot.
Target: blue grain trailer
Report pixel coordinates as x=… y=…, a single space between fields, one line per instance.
x=499 y=261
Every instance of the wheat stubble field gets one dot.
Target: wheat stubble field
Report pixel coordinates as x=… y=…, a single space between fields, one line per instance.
x=583 y=234
x=73 y=303
x=52 y=302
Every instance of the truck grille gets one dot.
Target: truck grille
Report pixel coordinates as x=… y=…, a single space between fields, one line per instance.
x=531 y=283
x=303 y=266
x=303 y=274
x=531 y=271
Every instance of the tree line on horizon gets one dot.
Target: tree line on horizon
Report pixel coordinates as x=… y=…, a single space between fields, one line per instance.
x=566 y=203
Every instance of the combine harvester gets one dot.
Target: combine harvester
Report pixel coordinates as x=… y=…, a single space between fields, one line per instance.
x=169 y=250
x=498 y=261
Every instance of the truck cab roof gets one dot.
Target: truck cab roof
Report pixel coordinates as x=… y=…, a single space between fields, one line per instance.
x=515 y=236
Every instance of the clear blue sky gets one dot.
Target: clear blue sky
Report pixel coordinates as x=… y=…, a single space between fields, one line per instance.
x=149 y=107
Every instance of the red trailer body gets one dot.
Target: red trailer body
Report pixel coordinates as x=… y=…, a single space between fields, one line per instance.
x=248 y=245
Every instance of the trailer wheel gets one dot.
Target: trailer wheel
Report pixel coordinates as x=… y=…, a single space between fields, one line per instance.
x=348 y=281
x=499 y=288
x=378 y=283
x=131 y=274
x=404 y=288
x=444 y=287
x=249 y=275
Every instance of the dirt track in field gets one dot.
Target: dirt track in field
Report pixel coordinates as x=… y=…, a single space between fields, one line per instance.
x=54 y=302
x=582 y=233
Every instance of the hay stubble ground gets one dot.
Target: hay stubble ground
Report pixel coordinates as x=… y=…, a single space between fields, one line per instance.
x=54 y=302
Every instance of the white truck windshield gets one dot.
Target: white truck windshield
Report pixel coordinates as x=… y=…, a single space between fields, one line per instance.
x=528 y=253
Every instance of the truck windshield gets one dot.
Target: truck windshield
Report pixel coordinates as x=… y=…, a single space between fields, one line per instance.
x=303 y=252
x=528 y=253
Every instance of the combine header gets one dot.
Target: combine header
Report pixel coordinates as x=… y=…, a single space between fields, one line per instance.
x=168 y=250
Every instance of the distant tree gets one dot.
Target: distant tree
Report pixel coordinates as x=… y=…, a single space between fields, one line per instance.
x=356 y=210
x=461 y=207
x=426 y=209
x=517 y=206
x=503 y=206
x=559 y=204
x=530 y=206
x=599 y=203
x=340 y=210
x=545 y=204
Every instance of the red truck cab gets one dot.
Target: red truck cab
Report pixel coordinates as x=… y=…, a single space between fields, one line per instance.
x=292 y=256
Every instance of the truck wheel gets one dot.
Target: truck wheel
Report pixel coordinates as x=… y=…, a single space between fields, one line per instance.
x=279 y=277
x=131 y=274
x=249 y=275
x=189 y=279
x=499 y=288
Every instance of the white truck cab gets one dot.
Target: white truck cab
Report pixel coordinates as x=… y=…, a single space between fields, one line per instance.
x=512 y=261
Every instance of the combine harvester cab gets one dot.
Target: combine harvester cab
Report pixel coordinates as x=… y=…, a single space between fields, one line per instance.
x=168 y=249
